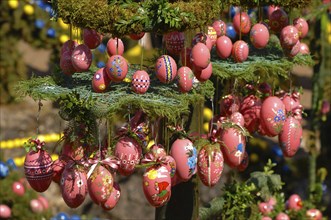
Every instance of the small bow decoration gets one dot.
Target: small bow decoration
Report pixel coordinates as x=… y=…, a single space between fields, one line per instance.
x=151 y=159
x=34 y=144
x=111 y=162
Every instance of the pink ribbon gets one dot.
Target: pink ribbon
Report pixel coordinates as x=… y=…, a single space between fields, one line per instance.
x=149 y=158
x=111 y=161
x=39 y=144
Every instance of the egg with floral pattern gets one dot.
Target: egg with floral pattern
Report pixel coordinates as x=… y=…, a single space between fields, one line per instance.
x=250 y=108
x=140 y=82
x=113 y=199
x=185 y=79
x=302 y=27
x=166 y=69
x=100 y=81
x=290 y=136
x=212 y=35
x=116 y=68
x=100 y=184
x=220 y=27
x=278 y=19
x=81 y=58
x=115 y=46
x=289 y=36
x=242 y=23
x=174 y=42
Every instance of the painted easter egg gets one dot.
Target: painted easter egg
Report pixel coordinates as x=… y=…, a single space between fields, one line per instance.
x=18 y=188
x=203 y=74
x=302 y=27
x=259 y=36
x=314 y=214
x=185 y=155
x=278 y=20
x=290 y=136
x=242 y=23
x=69 y=46
x=36 y=206
x=202 y=38
x=273 y=115
x=233 y=146
x=250 y=108
x=91 y=38
x=291 y=101
x=210 y=164
x=157 y=185
x=166 y=69
x=43 y=201
x=212 y=35
x=289 y=36
x=304 y=49
x=200 y=56
x=228 y=105
x=237 y=118
x=100 y=81
x=70 y=151
x=113 y=198
x=185 y=79
x=240 y=51
x=115 y=46
x=265 y=208
x=220 y=27
x=116 y=68
x=66 y=63
x=223 y=47
x=140 y=82
x=244 y=163
x=81 y=58
x=282 y=216
x=271 y=9
x=5 y=211
x=294 y=202
x=38 y=170
x=171 y=166
x=100 y=184
x=174 y=42
x=137 y=36
x=293 y=51
x=158 y=151
x=73 y=186
x=129 y=153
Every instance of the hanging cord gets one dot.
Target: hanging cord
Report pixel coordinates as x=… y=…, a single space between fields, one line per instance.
x=38 y=115
x=142 y=43
x=212 y=109
x=239 y=23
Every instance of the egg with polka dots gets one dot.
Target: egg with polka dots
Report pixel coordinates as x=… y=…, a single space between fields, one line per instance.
x=100 y=81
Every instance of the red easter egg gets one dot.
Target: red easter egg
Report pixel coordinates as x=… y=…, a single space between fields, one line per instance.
x=18 y=188
x=233 y=146
x=271 y=9
x=242 y=23
x=202 y=38
x=140 y=82
x=220 y=27
x=223 y=47
x=43 y=201
x=210 y=165
x=68 y=46
x=290 y=136
x=289 y=36
x=5 y=211
x=73 y=186
x=129 y=152
x=240 y=51
x=228 y=105
x=116 y=68
x=158 y=151
x=203 y=74
x=91 y=38
x=100 y=80
x=100 y=184
x=185 y=57
x=212 y=35
x=291 y=101
x=293 y=51
x=200 y=56
x=36 y=206
x=278 y=20
x=157 y=185
x=185 y=79
x=259 y=36
x=166 y=69
x=81 y=58
x=38 y=170
x=304 y=49
x=250 y=108
x=185 y=155
x=66 y=63
x=265 y=208
x=237 y=118
x=137 y=36
x=294 y=202
x=113 y=198
x=174 y=42
x=314 y=214
x=115 y=46
x=302 y=26
x=70 y=151
x=282 y=216
x=244 y=163
x=273 y=115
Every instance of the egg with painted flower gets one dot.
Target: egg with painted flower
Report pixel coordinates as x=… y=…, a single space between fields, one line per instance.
x=220 y=27
x=113 y=198
x=116 y=68
x=166 y=69
x=278 y=19
x=302 y=26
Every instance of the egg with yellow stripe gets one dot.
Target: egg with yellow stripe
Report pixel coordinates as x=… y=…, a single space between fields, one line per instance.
x=166 y=69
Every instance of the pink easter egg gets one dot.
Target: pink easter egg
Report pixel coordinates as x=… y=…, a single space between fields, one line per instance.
x=100 y=81
x=36 y=206
x=185 y=57
x=185 y=79
x=242 y=23
x=91 y=38
x=66 y=63
x=202 y=38
x=259 y=36
x=73 y=186
x=240 y=51
x=68 y=46
x=271 y=9
x=203 y=74
x=212 y=34
x=58 y=167
x=185 y=155
x=38 y=170
x=289 y=36
x=294 y=202
x=244 y=163
x=18 y=188
x=223 y=47
x=70 y=151
x=158 y=151
x=81 y=58
x=157 y=185
x=250 y=108
x=116 y=68
x=5 y=211
x=113 y=198
x=228 y=105
x=200 y=56
x=278 y=20
x=129 y=153
x=137 y=36
x=302 y=27
x=304 y=49
x=233 y=146
x=273 y=115
x=166 y=69
x=282 y=216
x=220 y=27
x=210 y=165
x=115 y=46
x=265 y=208
x=266 y=218
x=43 y=201
x=174 y=42
x=293 y=51
x=237 y=118
x=314 y=214
x=100 y=184
x=291 y=101
x=140 y=82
